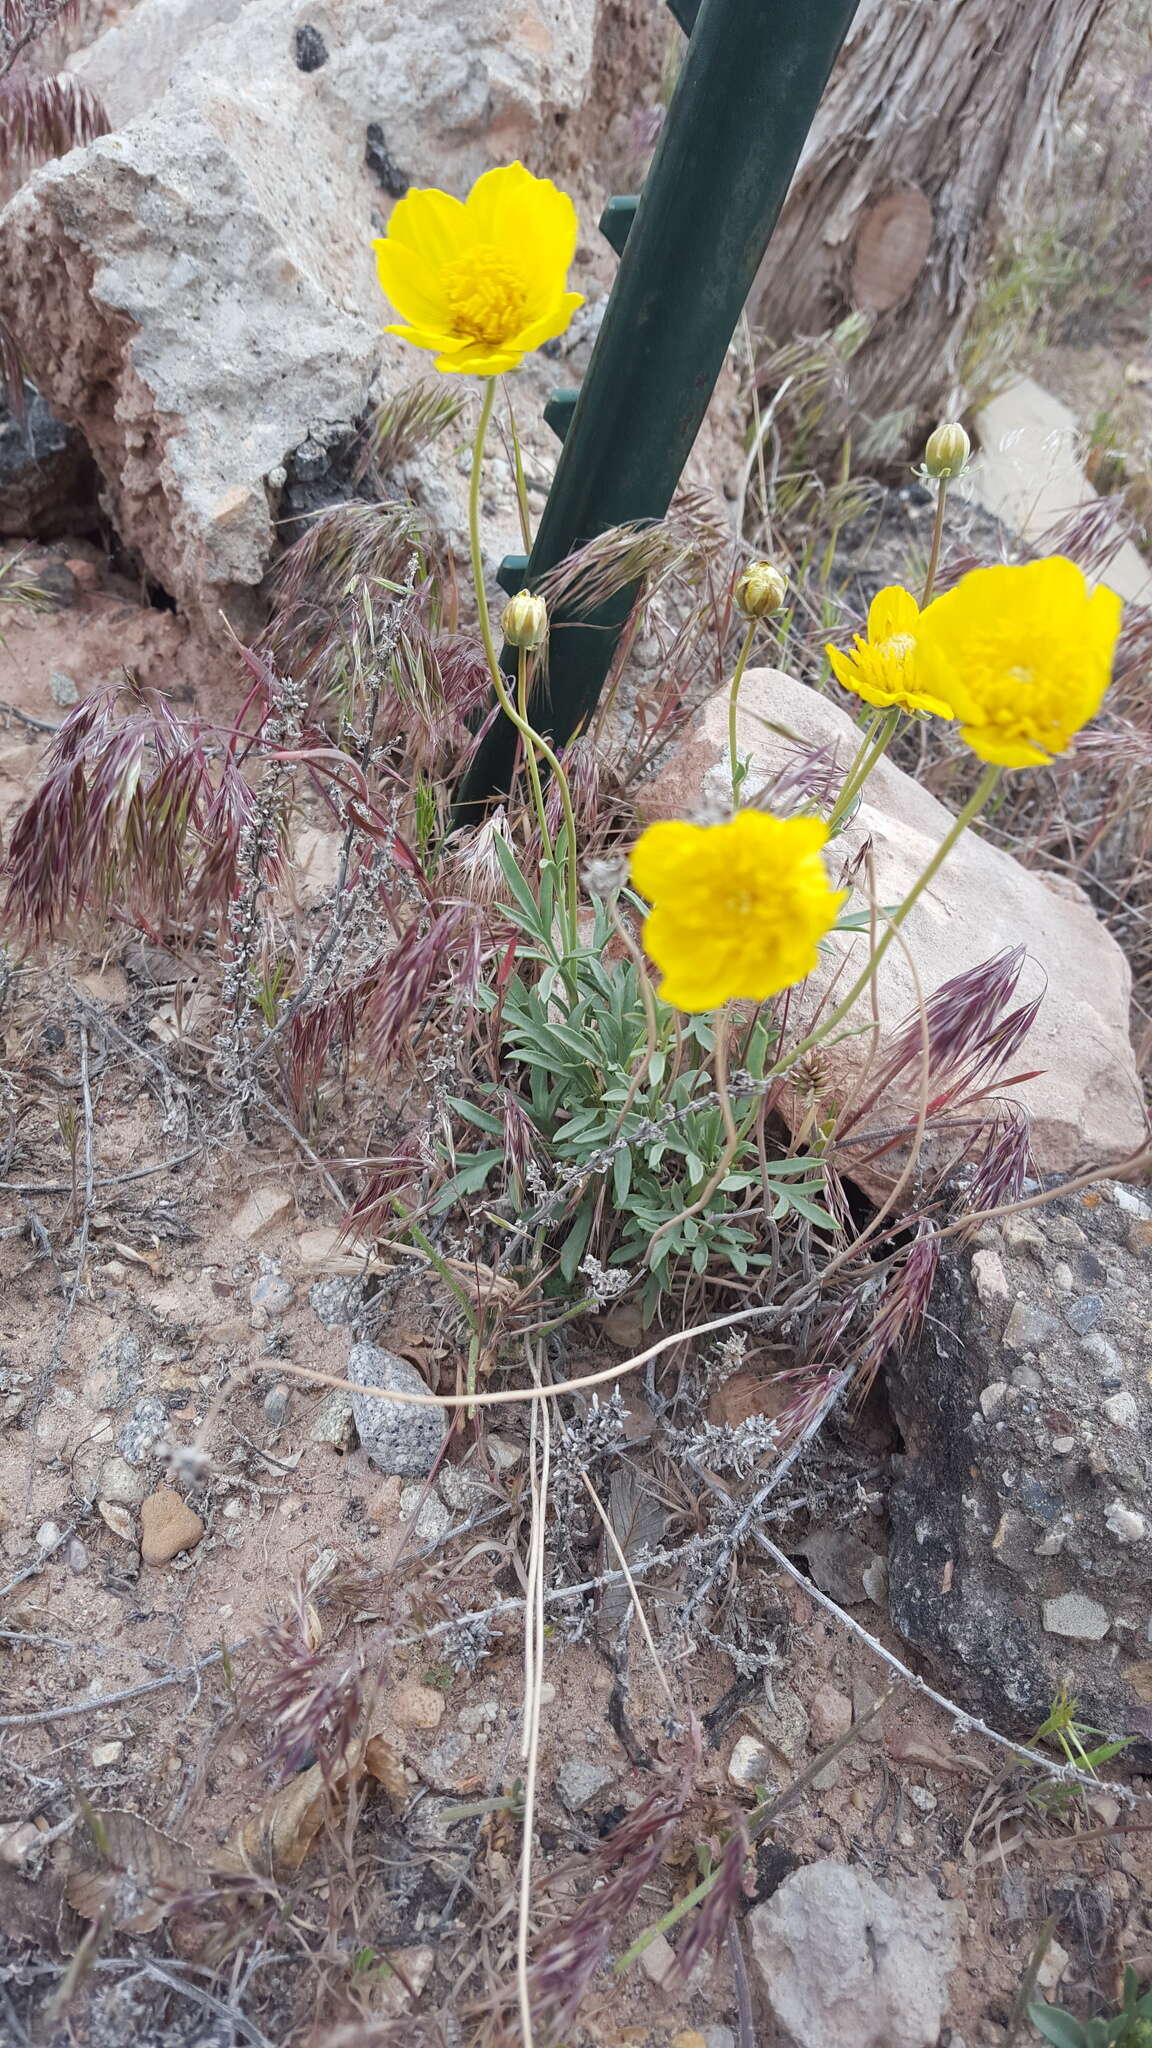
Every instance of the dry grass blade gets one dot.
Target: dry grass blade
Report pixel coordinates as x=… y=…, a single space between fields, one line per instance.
x=406 y=422
x=46 y=115
x=614 y=561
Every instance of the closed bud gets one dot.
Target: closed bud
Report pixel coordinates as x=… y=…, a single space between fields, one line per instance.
x=947 y=452
x=761 y=590
x=524 y=620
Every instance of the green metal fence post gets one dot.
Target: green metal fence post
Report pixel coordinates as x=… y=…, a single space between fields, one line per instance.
x=749 y=86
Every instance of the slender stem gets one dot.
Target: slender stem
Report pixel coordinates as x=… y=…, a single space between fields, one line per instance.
x=732 y=1134
x=877 y=742
x=972 y=809
x=733 y=699
x=499 y=684
x=937 y=537
x=530 y=751
x=518 y=467
x=720 y=1065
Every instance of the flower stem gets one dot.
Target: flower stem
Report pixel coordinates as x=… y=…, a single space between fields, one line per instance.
x=972 y=809
x=518 y=468
x=530 y=751
x=733 y=700
x=875 y=744
x=527 y=733
x=937 y=537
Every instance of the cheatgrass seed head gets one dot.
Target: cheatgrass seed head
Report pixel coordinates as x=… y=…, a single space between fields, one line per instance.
x=946 y=454
x=738 y=908
x=1022 y=653
x=760 y=590
x=524 y=620
x=481 y=281
x=884 y=668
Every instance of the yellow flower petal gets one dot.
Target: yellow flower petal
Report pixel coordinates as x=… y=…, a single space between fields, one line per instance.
x=884 y=668
x=412 y=287
x=480 y=282
x=893 y=610
x=1023 y=653
x=738 y=909
x=432 y=224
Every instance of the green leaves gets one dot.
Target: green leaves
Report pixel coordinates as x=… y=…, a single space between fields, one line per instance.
x=1131 y=2027
x=631 y=1124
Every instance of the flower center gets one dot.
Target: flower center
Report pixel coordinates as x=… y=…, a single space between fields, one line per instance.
x=486 y=295
x=901 y=646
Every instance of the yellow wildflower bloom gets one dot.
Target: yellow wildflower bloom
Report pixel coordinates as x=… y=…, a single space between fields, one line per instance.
x=480 y=281
x=884 y=669
x=1023 y=654
x=737 y=909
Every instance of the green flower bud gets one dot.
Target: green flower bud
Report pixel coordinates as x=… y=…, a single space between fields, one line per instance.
x=761 y=590
x=524 y=620
x=947 y=452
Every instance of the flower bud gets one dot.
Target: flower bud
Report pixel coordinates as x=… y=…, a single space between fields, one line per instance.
x=947 y=452
x=760 y=590
x=524 y=620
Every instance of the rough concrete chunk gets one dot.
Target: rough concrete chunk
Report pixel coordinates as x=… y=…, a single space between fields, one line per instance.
x=398 y=1438
x=1018 y=1558
x=845 y=1964
x=197 y=291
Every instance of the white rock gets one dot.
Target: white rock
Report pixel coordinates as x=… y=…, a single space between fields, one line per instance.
x=1052 y=1967
x=105 y=1754
x=845 y=1964
x=989 y=1276
x=210 y=307
x=1086 y=1104
x=1126 y=1525
x=262 y=1210
x=1028 y=474
x=992 y=1398
x=1076 y=1616
x=750 y=1763
x=1122 y=1411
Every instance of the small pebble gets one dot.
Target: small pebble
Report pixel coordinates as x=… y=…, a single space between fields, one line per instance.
x=922 y=1799
x=1125 y=1524
x=1053 y=1966
x=115 y=1516
x=105 y=1754
x=416 y=1706
x=830 y=1715
x=1076 y=1616
x=77 y=1556
x=992 y=1398
x=658 y=1959
x=989 y=1277
x=750 y=1763
x=1122 y=1411
x=1083 y=1315
x=167 y=1526
x=581 y=1784
x=48 y=1535
x=1062 y=1445
x=276 y=1405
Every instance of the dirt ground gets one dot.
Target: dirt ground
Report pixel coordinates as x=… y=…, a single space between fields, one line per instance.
x=161 y=1274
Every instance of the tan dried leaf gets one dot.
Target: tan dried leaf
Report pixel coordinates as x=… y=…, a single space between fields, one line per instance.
x=384 y=1763
x=275 y=1839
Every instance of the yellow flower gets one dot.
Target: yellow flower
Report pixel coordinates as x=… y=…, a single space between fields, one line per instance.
x=480 y=281
x=1023 y=655
x=884 y=669
x=737 y=909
